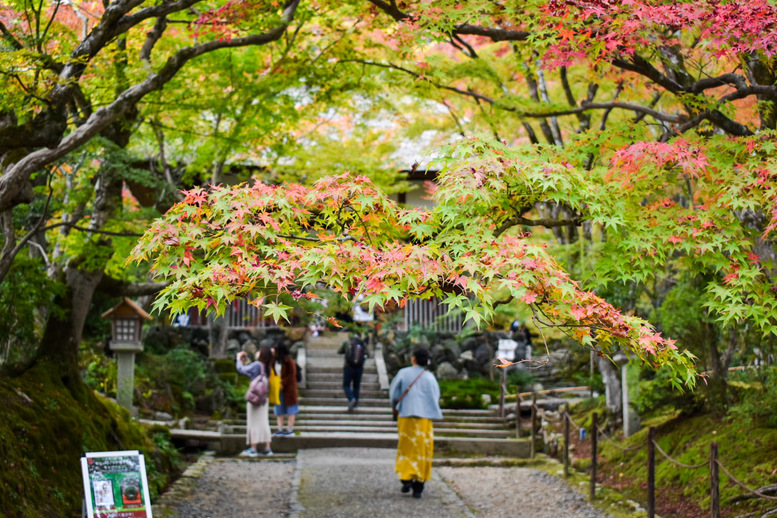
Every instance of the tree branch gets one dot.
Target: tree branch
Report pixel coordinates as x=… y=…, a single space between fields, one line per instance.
x=118 y=288
x=714 y=82
x=493 y=34
x=542 y=222
x=12 y=181
x=152 y=37
x=643 y=67
x=9 y=37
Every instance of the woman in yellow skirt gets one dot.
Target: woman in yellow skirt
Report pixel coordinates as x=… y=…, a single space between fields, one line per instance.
x=418 y=396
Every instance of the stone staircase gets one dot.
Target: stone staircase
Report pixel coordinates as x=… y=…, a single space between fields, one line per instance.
x=324 y=420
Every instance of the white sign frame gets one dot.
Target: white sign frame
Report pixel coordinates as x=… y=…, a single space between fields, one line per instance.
x=98 y=490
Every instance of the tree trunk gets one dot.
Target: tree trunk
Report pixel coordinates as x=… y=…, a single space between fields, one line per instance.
x=717 y=383
x=62 y=335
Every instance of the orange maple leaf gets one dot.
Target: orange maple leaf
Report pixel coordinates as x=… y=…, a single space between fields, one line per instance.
x=334 y=322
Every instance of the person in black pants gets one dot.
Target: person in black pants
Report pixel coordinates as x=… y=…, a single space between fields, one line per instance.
x=355 y=351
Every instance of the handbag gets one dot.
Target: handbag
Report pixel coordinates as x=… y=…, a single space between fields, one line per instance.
x=275 y=388
x=259 y=389
x=395 y=408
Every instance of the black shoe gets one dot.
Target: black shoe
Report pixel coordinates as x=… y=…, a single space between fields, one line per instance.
x=406 y=485
x=418 y=488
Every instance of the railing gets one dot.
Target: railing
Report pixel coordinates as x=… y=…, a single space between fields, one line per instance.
x=713 y=463
x=239 y=315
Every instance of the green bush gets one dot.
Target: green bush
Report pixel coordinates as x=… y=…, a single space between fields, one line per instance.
x=657 y=392
x=100 y=373
x=467 y=393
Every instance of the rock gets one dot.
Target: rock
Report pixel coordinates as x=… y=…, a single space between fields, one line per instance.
x=392 y=363
x=299 y=344
x=633 y=423
x=482 y=354
x=296 y=334
x=267 y=342
x=466 y=356
x=469 y=344
x=437 y=353
x=486 y=398
x=233 y=346
x=446 y=371
x=162 y=416
x=250 y=347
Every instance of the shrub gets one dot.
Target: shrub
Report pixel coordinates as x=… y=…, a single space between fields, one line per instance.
x=461 y=394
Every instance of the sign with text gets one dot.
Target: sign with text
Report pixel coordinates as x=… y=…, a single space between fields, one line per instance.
x=116 y=485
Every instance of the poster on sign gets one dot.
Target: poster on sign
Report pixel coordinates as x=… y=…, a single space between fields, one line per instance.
x=116 y=485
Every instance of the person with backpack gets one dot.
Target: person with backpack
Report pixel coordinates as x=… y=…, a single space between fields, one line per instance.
x=257 y=404
x=355 y=351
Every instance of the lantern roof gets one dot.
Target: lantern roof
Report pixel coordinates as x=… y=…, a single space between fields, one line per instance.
x=126 y=308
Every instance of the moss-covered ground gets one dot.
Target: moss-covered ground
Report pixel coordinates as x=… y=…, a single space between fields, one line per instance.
x=749 y=453
x=46 y=427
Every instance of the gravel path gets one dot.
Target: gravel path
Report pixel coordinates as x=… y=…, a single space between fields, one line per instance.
x=360 y=482
x=233 y=488
x=517 y=492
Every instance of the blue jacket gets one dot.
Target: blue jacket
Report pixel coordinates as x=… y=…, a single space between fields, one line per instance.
x=251 y=370
x=423 y=398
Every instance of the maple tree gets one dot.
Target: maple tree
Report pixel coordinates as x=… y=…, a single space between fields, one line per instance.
x=678 y=172
x=73 y=77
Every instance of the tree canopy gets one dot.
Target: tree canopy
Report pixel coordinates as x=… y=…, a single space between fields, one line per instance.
x=635 y=140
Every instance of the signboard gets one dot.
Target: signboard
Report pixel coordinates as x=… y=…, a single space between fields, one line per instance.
x=116 y=485
x=506 y=349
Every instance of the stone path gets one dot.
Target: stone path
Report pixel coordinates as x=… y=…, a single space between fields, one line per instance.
x=360 y=482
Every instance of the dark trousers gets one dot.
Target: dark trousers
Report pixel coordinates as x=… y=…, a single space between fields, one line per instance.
x=352 y=380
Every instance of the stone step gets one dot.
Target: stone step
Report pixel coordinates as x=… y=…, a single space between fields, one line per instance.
x=347 y=420
x=441 y=430
x=338 y=378
x=338 y=385
x=337 y=370
x=474 y=416
x=328 y=341
x=231 y=444
x=363 y=414
x=338 y=393
x=448 y=414
x=338 y=400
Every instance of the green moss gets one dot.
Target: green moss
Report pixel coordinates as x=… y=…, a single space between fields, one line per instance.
x=46 y=428
x=749 y=453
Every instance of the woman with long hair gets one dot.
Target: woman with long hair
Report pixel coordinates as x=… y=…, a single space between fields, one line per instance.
x=257 y=417
x=287 y=406
x=416 y=393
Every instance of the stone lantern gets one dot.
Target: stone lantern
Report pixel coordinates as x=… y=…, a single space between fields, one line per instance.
x=126 y=325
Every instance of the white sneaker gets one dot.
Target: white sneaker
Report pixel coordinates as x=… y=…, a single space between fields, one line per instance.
x=250 y=452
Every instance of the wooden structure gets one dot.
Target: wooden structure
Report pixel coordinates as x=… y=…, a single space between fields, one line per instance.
x=431 y=314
